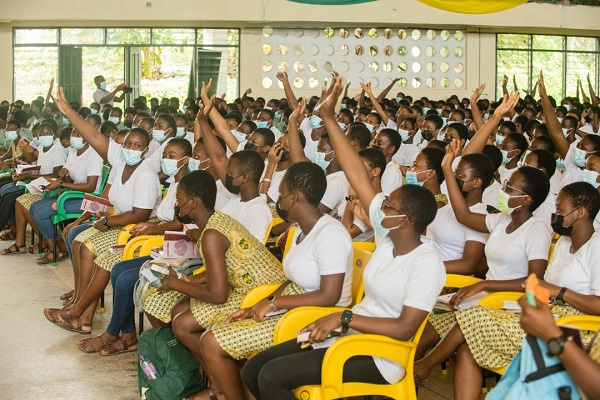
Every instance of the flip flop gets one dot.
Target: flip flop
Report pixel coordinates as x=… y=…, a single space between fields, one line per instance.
x=67 y=295
x=127 y=348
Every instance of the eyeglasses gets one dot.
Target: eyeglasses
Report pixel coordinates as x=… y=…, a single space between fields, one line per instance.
x=385 y=204
x=505 y=186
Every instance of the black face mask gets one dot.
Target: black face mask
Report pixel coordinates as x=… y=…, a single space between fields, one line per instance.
x=283 y=214
x=128 y=123
x=46 y=115
x=285 y=155
x=250 y=146
x=427 y=134
x=587 y=119
x=184 y=219
x=471 y=134
x=447 y=141
x=229 y=185
x=461 y=183
x=377 y=148
x=557 y=225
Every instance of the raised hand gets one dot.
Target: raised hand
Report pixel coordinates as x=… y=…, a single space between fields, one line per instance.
x=248 y=91
x=366 y=88
x=327 y=106
x=504 y=81
x=61 y=101
x=509 y=102
x=477 y=93
x=541 y=85
x=275 y=153
x=204 y=111
x=205 y=90
x=299 y=111
x=282 y=76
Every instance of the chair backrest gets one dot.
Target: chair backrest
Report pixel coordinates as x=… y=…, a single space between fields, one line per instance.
x=133 y=245
x=104 y=180
x=360 y=259
x=460 y=281
x=496 y=299
x=369 y=246
x=294 y=320
x=124 y=235
x=257 y=294
x=583 y=322
x=274 y=221
x=152 y=242
x=289 y=240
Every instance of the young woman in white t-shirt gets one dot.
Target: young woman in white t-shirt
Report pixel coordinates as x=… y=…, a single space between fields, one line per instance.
x=401 y=281
x=490 y=338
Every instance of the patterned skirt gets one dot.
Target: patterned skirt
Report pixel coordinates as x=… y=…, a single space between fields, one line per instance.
x=99 y=244
x=495 y=336
x=242 y=339
x=160 y=305
x=27 y=199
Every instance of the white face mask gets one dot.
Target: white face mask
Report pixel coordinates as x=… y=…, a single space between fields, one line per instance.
x=103 y=85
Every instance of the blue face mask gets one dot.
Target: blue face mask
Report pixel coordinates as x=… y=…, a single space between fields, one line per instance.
x=398 y=99
x=404 y=134
x=35 y=142
x=277 y=115
x=590 y=177
x=262 y=124
x=425 y=110
x=169 y=166
x=114 y=120
x=77 y=142
x=315 y=122
x=565 y=132
x=579 y=157
x=180 y=132
x=370 y=127
x=342 y=106
x=194 y=165
x=560 y=164
x=342 y=126
x=378 y=218
x=11 y=135
x=46 y=141
x=445 y=119
x=505 y=157
x=67 y=150
x=94 y=111
x=131 y=157
x=240 y=136
x=158 y=135
x=412 y=178
x=499 y=139
x=320 y=159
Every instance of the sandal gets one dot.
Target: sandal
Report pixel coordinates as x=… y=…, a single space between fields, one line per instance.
x=31 y=249
x=211 y=394
x=68 y=295
x=13 y=249
x=66 y=324
x=86 y=345
x=8 y=235
x=110 y=349
x=48 y=258
x=52 y=315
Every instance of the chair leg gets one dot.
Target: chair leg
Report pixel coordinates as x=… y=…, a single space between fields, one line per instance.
x=140 y=322
x=54 y=245
x=102 y=302
x=444 y=366
x=484 y=388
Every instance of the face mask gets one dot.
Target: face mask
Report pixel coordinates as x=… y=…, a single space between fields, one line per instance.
x=114 y=120
x=342 y=106
x=557 y=224
x=579 y=157
x=262 y=124
x=445 y=119
x=184 y=219
x=194 y=165
x=560 y=164
x=499 y=139
x=370 y=127
x=250 y=146
x=590 y=177
x=471 y=134
x=404 y=134
x=65 y=122
x=46 y=141
x=102 y=85
x=128 y=123
x=447 y=141
x=169 y=167
x=426 y=110
x=505 y=157
x=285 y=155
x=77 y=142
x=131 y=157
x=11 y=135
x=315 y=122
x=240 y=136
x=502 y=202
x=46 y=115
x=180 y=132
x=378 y=218
x=158 y=135
x=413 y=179
x=277 y=115
x=67 y=150
x=398 y=99
x=342 y=126
x=36 y=142
x=559 y=119
x=565 y=132
x=229 y=185
x=94 y=111
x=486 y=116
x=427 y=134
x=320 y=159
x=283 y=214
x=461 y=184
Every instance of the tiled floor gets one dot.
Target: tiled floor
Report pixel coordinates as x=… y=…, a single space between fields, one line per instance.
x=40 y=361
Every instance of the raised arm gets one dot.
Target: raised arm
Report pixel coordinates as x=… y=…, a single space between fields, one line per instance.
x=477 y=143
x=515 y=87
x=112 y=94
x=346 y=89
x=348 y=158
x=583 y=96
x=554 y=127
x=98 y=141
x=213 y=147
x=593 y=97
x=375 y=102
x=385 y=92
x=296 y=150
x=534 y=91
x=475 y=112
x=49 y=95
x=287 y=88
x=504 y=84
x=218 y=120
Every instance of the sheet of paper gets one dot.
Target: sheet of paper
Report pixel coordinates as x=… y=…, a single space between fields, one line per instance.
x=149 y=275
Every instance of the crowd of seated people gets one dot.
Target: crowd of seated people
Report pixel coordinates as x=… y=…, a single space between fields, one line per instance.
x=471 y=187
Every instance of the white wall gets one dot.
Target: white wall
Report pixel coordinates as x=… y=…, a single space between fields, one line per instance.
x=252 y=15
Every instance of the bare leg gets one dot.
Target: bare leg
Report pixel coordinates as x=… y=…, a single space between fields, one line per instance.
x=86 y=268
x=444 y=349
x=91 y=295
x=223 y=368
x=429 y=339
x=75 y=249
x=21 y=224
x=155 y=322
x=468 y=375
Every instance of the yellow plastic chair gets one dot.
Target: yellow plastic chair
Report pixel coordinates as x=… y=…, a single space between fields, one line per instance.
x=583 y=322
x=332 y=385
x=289 y=240
x=555 y=237
x=124 y=235
x=133 y=245
x=361 y=258
x=152 y=242
x=368 y=246
x=257 y=294
x=460 y=281
x=294 y=320
x=275 y=221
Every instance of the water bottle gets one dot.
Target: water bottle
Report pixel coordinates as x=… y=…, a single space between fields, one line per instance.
x=148 y=367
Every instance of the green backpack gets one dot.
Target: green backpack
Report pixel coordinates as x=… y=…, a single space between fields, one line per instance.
x=178 y=371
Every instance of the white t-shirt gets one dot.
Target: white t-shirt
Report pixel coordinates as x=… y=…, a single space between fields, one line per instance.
x=273 y=191
x=154 y=159
x=588 y=128
x=326 y=250
x=545 y=210
x=54 y=157
x=165 y=210
x=99 y=94
x=579 y=272
x=152 y=147
x=255 y=215
x=508 y=254
x=406 y=154
x=572 y=172
x=391 y=179
x=555 y=182
x=142 y=189
x=505 y=173
x=490 y=194
x=89 y=163
x=224 y=196
x=366 y=234
x=337 y=189
x=276 y=132
x=311 y=145
x=450 y=236
x=414 y=280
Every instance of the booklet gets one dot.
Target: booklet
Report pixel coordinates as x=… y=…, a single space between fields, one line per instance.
x=443 y=302
x=177 y=245
x=95 y=204
x=33 y=170
x=37 y=186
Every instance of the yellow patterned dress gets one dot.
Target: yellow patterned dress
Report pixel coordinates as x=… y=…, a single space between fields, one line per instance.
x=249 y=264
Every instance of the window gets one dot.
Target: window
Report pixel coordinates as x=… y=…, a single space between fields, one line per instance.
x=566 y=59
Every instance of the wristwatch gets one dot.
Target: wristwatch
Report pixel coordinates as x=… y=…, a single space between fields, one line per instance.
x=271 y=301
x=104 y=221
x=346 y=318
x=557 y=345
x=559 y=299
x=60 y=183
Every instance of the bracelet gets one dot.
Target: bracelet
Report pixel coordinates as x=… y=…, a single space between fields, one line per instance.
x=266 y=180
